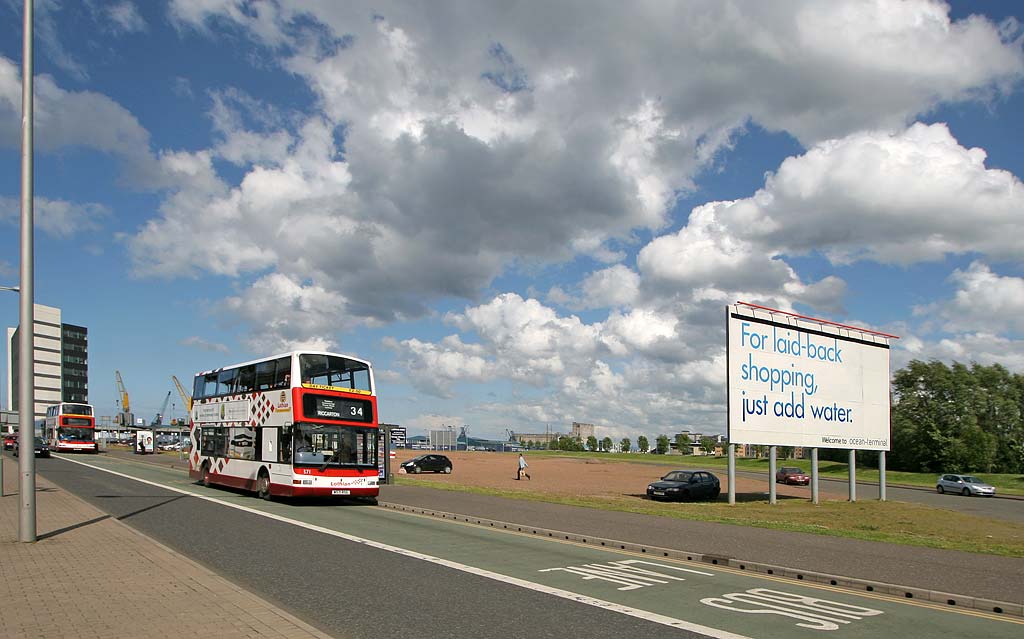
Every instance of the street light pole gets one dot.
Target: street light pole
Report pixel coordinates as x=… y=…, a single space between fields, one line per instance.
x=26 y=400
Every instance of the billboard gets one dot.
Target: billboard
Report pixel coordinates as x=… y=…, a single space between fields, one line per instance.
x=797 y=381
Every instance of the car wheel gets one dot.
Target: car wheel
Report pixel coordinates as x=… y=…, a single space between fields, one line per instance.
x=415 y=470
x=940 y=489
x=206 y=474
x=965 y=492
x=263 y=485
x=447 y=470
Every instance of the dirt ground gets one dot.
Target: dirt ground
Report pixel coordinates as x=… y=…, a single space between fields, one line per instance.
x=572 y=477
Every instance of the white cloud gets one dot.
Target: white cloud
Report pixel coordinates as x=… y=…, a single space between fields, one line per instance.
x=57 y=218
x=202 y=344
x=123 y=17
x=985 y=301
x=613 y=286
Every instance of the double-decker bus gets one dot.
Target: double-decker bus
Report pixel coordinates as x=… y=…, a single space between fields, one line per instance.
x=297 y=424
x=70 y=427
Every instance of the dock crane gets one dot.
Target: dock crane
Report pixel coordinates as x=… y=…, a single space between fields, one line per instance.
x=185 y=397
x=126 y=418
x=159 y=419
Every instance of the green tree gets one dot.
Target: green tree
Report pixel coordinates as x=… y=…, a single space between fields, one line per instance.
x=624 y=445
x=642 y=444
x=591 y=443
x=606 y=444
x=661 y=447
x=683 y=443
x=708 y=443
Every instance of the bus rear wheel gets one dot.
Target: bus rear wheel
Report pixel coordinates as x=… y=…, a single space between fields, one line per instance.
x=206 y=474
x=263 y=485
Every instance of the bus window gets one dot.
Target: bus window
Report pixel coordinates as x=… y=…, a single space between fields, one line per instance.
x=198 y=387
x=283 y=374
x=247 y=379
x=210 y=385
x=265 y=375
x=226 y=381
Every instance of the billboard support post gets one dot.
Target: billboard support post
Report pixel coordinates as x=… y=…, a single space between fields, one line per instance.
x=814 y=476
x=732 y=473
x=771 y=475
x=881 y=475
x=853 y=475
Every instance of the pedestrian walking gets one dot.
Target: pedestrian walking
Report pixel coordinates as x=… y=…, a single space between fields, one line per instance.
x=522 y=468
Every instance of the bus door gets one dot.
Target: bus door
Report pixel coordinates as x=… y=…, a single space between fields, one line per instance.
x=277 y=448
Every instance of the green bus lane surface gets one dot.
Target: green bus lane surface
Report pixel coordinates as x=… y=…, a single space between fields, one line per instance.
x=711 y=600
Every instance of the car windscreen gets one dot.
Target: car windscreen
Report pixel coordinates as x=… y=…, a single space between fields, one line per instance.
x=684 y=477
x=971 y=480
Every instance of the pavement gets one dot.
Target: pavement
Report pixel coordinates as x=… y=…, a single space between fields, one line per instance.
x=90 y=576
x=117 y=582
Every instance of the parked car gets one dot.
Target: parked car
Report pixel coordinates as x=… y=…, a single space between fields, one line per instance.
x=685 y=484
x=792 y=475
x=429 y=463
x=10 y=441
x=964 y=485
x=42 y=448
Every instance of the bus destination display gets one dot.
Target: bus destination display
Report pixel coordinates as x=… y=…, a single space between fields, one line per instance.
x=322 y=407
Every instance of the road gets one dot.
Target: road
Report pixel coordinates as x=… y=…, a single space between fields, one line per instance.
x=362 y=571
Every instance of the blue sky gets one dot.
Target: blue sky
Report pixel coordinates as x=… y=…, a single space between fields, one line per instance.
x=526 y=215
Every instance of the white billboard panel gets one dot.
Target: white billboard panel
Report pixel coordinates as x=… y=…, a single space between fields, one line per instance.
x=796 y=382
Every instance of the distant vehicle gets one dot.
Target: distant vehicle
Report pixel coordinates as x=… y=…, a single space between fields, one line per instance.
x=792 y=475
x=430 y=463
x=964 y=485
x=42 y=448
x=685 y=484
x=70 y=427
x=10 y=441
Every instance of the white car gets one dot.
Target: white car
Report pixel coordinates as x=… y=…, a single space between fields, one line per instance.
x=964 y=485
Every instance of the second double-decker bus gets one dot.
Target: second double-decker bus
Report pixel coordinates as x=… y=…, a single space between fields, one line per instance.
x=297 y=424
x=70 y=427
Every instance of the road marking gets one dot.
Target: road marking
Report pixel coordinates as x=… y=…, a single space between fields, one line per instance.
x=884 y=597
x=626 y=572
x=480 y=572
x=813 y=613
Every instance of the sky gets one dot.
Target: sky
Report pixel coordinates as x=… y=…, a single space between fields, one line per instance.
x=524 y=214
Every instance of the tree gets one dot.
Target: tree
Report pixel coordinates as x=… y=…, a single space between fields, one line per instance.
x=591 y=443
x=624 y=444
x=662 y=444
x=606 y=444
x=683 y=443
x=641 y=444
x=708 y=443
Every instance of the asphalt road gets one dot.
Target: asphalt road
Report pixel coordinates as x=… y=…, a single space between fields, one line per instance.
x=346 y=589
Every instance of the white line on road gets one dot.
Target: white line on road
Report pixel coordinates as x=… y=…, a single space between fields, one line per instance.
x=514 y=581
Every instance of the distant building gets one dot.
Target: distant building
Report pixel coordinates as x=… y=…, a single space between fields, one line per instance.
x=582 y=431
x=61 y=362
x=539 y=438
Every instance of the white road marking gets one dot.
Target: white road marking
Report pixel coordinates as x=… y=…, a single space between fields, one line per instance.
x=480 y=572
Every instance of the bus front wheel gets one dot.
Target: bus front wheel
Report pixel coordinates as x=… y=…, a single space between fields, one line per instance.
x=263 y=485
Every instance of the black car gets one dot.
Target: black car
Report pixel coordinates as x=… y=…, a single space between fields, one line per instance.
x=42 y=448
x=685 y=484
x=429 y=463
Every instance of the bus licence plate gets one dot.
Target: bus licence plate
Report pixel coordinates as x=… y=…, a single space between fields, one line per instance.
x=341 y=492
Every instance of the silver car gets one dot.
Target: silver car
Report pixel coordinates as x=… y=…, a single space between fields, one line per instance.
x=964 y=485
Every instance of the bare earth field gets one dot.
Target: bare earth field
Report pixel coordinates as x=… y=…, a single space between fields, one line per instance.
x=574 y=477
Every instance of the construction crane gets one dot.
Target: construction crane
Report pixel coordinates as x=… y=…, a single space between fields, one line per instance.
x=185 y=397
x=159 y=419
x=126 y=418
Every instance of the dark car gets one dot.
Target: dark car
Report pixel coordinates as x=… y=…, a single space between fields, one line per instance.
x=792 y=475
x=42 y=448
x=10 y=441
x=428 y=463
x=685 y=484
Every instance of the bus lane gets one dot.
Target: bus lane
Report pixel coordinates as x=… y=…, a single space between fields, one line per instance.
x=710 y=600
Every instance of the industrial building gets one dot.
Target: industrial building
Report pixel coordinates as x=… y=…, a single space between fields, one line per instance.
x=60 y=364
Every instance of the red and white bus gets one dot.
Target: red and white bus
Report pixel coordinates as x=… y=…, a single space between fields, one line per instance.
x=70 y=427
x=292 y=425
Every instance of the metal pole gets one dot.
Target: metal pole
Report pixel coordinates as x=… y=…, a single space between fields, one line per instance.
x=26 y=355
x=881 y=475
x=814 y=475
x=771 y=475
x=732 y=473
x=853 y=475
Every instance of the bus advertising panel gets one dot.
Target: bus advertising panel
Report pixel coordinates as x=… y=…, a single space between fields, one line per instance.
x=797 y=381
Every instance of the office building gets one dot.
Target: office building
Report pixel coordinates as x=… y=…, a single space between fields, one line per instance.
x=61 y=362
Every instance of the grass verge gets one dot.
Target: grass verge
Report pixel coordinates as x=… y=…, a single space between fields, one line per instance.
x=890 y=522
